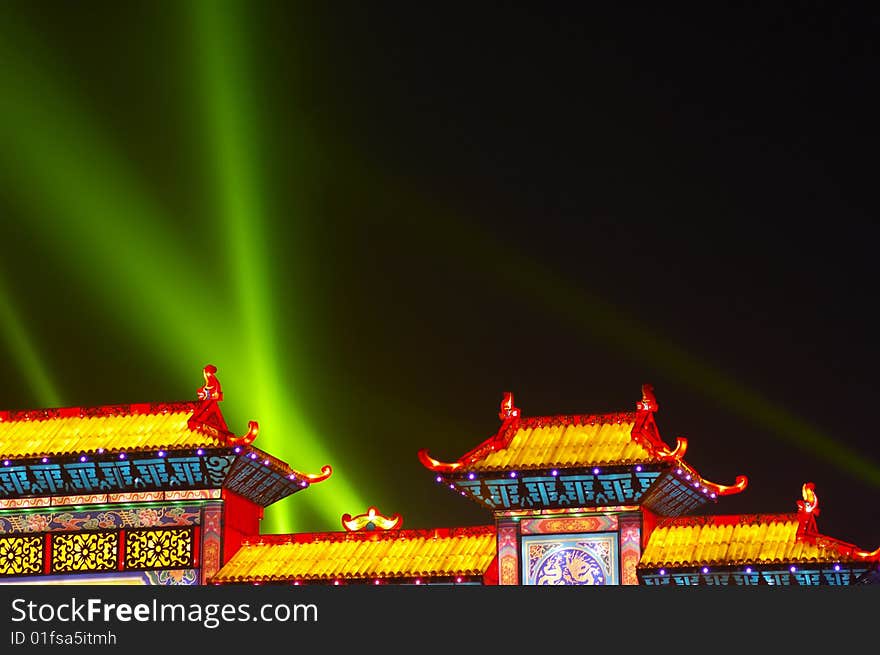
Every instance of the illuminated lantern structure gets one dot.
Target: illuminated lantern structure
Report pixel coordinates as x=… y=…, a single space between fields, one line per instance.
x=167 y=494
x=372 y=549
x=601 y=499
x=142 y=494
x=596 y=499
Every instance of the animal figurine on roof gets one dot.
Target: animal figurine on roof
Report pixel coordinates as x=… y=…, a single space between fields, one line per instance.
x=211 y=390
x=648 y=402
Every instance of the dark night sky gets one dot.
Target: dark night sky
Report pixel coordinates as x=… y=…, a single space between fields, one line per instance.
x=710 y=175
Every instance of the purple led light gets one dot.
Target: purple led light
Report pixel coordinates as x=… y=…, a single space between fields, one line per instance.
x=705 y=569
x=200 y=452
x=266 y=462
x=678 y=471
x=452 y=486
x=161 y=453
x=837 y=567
x=121 y=455
x=471 y=476
x=513 y=474
x=45 y=460
x=705 y=491
x=237 y=449
x=6 y=462
x=82 y=458
x=687 y=477
x=639 y=469
x=304 y=484
x=595 y=471
x=100 y=451
x=792 y=569
x=291 y=477
x=712 y=495
x=554 y=473
x=253 y=455
x=438 y=479
x=662 y=571
x=748 y=569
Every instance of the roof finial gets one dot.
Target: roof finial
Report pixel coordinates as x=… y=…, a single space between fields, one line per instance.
x=371 y=520
x=211 y=390
x=808 y=508
x=648 y=403
x=508 y=411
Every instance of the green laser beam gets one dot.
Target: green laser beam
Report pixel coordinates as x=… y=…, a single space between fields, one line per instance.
x=22 y=350
x=502 y=263
x=222 y=54
x=105 y=225
x=91 y=209
x=638 y=342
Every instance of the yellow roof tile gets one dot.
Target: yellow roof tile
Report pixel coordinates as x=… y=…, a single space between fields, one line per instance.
x=79 y=430
x=739 y=539
x=561 y=441
x=363 y=556
x=566 y=446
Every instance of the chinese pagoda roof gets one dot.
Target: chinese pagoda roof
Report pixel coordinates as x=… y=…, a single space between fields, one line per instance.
x=565 y=441
x=139 y=447
x=448 y=554
x=535 y=450
x=736 y=539
x=140 y=427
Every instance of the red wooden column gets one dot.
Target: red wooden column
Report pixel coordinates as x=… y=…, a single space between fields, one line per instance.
x=630 y=546
x=508 y=552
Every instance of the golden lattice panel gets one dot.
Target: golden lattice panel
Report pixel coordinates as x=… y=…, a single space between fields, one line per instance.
x=21 y=555
x=85 y=551
x=155 y=549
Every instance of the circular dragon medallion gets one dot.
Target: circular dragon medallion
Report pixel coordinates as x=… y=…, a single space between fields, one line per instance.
x=569 y=566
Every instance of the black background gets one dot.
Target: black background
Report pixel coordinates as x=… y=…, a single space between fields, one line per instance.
x=708 y=173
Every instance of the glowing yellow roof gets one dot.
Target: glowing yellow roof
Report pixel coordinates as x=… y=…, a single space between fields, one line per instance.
x=406 y=554
x=747 y=539
x=125 y=427
x=567 y=446
x=563 y=442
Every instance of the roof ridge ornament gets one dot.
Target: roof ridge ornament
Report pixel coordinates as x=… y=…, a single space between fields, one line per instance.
x=371 y=520
x=248 y=437
x=681 y=446
x=508 y=409
x=648 y=403
x=211 y=389
x=808 y=508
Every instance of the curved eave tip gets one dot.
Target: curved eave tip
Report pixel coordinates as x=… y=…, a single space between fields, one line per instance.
x=435 y=465
x=326 y=472
x=729 y=490
x=681 y=446
x=247 y=438
x=872 y=555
